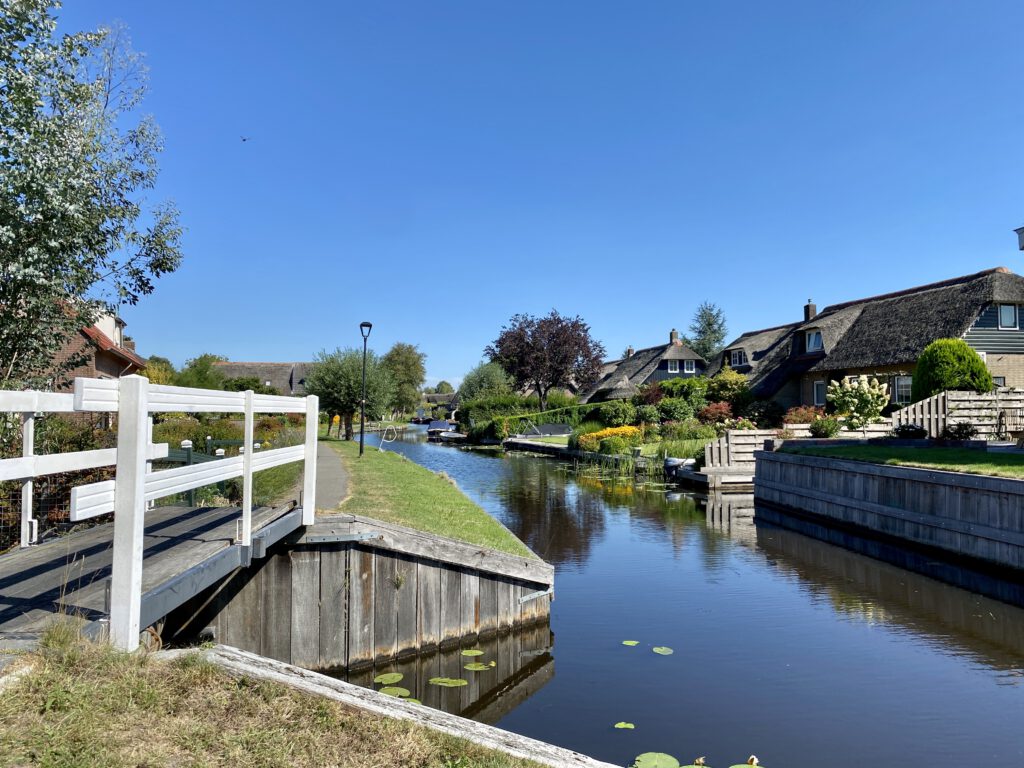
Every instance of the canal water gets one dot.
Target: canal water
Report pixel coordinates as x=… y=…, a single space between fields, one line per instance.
x=798 y=651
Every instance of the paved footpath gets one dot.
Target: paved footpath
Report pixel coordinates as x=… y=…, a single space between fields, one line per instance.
x=331 y=478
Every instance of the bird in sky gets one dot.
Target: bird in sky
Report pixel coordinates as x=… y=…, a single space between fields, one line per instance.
x=245 y=138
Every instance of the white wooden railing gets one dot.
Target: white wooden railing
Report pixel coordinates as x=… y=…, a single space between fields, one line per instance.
x=133 y=399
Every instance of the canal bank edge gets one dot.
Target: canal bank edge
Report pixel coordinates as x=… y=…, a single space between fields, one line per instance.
x=971 y=516
x=249 y=665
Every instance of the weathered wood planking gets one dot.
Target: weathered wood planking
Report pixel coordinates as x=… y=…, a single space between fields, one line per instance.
x=428 y=605
x=970 y=515
x=360 y=606
x=333 y=618
x=406 y=605
x=305 y=602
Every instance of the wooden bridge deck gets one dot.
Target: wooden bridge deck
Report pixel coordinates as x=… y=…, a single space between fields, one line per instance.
x=184 y=550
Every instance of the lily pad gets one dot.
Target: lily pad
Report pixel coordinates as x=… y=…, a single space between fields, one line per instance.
x=631 y=642
x=476 y=666
x=396 y=691
x=473 y=652
x=664 y=650
x=628 y=726
x=388 y=678
x=448 y=682
x=655 y=760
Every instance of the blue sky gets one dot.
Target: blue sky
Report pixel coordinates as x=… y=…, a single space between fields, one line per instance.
x=438 y=167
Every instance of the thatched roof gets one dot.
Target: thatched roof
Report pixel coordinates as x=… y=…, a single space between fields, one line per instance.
x=440 y=399
x=620 y=379
x=887 y=330
x=286 y=378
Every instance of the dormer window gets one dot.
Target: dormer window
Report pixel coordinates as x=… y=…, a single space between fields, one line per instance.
x=737 y=357
x=814 y=343
x=1008 y=317
x=673 y=366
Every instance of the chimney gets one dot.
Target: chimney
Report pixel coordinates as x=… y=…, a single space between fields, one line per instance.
x=630 y=351
x=673 y=337
x=129 y=343
x=1020 y=237
x=810 y=310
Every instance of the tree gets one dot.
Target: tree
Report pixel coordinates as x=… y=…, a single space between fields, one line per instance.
x=728 y=386
x=547 y=352
x=200 y=372
x=949 y=364
x=486 y=380
x=75 y=232
x=707 y=331
x=405 y=363
x=444 y=388
x=336 y=378
x=242 y=383
x=159 y=370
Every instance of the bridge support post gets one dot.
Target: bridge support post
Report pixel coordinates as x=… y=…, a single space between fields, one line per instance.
x=309 y=467
x=129 y=512
x=245 y=539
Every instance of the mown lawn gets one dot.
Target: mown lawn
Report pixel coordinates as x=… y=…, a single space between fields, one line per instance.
x=950 y=459
x=85 y=704
x=387 y=486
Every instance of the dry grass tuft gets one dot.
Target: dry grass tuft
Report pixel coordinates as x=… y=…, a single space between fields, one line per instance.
x=86 y=704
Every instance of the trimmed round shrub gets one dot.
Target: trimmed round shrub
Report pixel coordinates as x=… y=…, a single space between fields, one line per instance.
x=675 y=409
x=949 y=364
x=648 y=414
x=825 y=426
x=617 y=413
x=614 y=445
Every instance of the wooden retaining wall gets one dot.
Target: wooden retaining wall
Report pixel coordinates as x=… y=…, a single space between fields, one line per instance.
x=351 y=592
x=994 y=414
x=966 y=515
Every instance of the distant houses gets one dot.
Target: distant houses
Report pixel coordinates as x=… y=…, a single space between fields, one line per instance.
x=883 y=336
x=621 y=379
x=286 y=378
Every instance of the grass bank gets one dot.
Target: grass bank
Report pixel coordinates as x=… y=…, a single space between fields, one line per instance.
x=949 y=459
x=86 y=704
x=387 y=486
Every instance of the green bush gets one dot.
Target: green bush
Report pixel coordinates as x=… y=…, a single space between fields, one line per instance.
x=909 y=431
x=729 y=387
x=949 y=364
x=825 y=426
x=648 y=414
x=487 y=408
x=682 y=449
x=803 y=414
x=962 y=431
x=614 y=446
x=675 y=409
x=691 y=429
x=586 y=428
x=693 y=390
x=767 y=414
x=617 y=413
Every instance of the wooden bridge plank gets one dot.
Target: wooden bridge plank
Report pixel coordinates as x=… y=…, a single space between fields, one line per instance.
x=305 y=618
x=333 y=599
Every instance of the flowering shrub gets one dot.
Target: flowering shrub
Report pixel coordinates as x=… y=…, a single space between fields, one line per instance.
x=860 y=401
x=715 y=413
x=803 y=414
x=592 y=441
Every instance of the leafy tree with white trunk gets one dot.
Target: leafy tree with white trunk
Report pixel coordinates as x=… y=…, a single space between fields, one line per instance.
x=76 y=159
x=337 y=379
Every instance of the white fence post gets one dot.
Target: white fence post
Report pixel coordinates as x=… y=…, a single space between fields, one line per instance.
x=246 y=536
x=129 y=512
x=309 y=465
x=29 y=525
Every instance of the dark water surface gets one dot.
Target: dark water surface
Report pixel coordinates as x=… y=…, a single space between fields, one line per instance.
x=801 y=652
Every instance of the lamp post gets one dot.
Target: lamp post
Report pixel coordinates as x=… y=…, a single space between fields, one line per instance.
x=364 y=328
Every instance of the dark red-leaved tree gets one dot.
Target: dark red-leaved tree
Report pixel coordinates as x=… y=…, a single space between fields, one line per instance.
x=547 y=352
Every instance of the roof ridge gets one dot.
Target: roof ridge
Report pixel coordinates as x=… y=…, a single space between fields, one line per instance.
x=907 y=291
x=772 y=328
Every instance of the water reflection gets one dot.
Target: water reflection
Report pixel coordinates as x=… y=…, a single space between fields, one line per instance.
x=523 y=665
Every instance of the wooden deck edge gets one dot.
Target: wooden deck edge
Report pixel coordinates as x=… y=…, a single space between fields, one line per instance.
x=409 y=541
x=242 y=664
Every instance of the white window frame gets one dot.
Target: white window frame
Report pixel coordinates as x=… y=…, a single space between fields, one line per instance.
x=689 y=366
x=896 y=389
x=824 y=392
x=737 y=357
x=673 y=366
x=1016 y=317
x=821 y=342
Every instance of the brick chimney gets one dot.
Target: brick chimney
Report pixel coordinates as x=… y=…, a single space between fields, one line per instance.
x=1020 y=237
x=630 y=351
x=673 y=337
x=129 y=343
x=810 y=310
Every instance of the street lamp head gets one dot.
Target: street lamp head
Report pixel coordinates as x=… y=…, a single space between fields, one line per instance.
x=364 y=328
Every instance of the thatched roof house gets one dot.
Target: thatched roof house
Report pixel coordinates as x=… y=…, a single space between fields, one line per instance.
x=883 y=336
x=286 y=378
x=621 y=379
